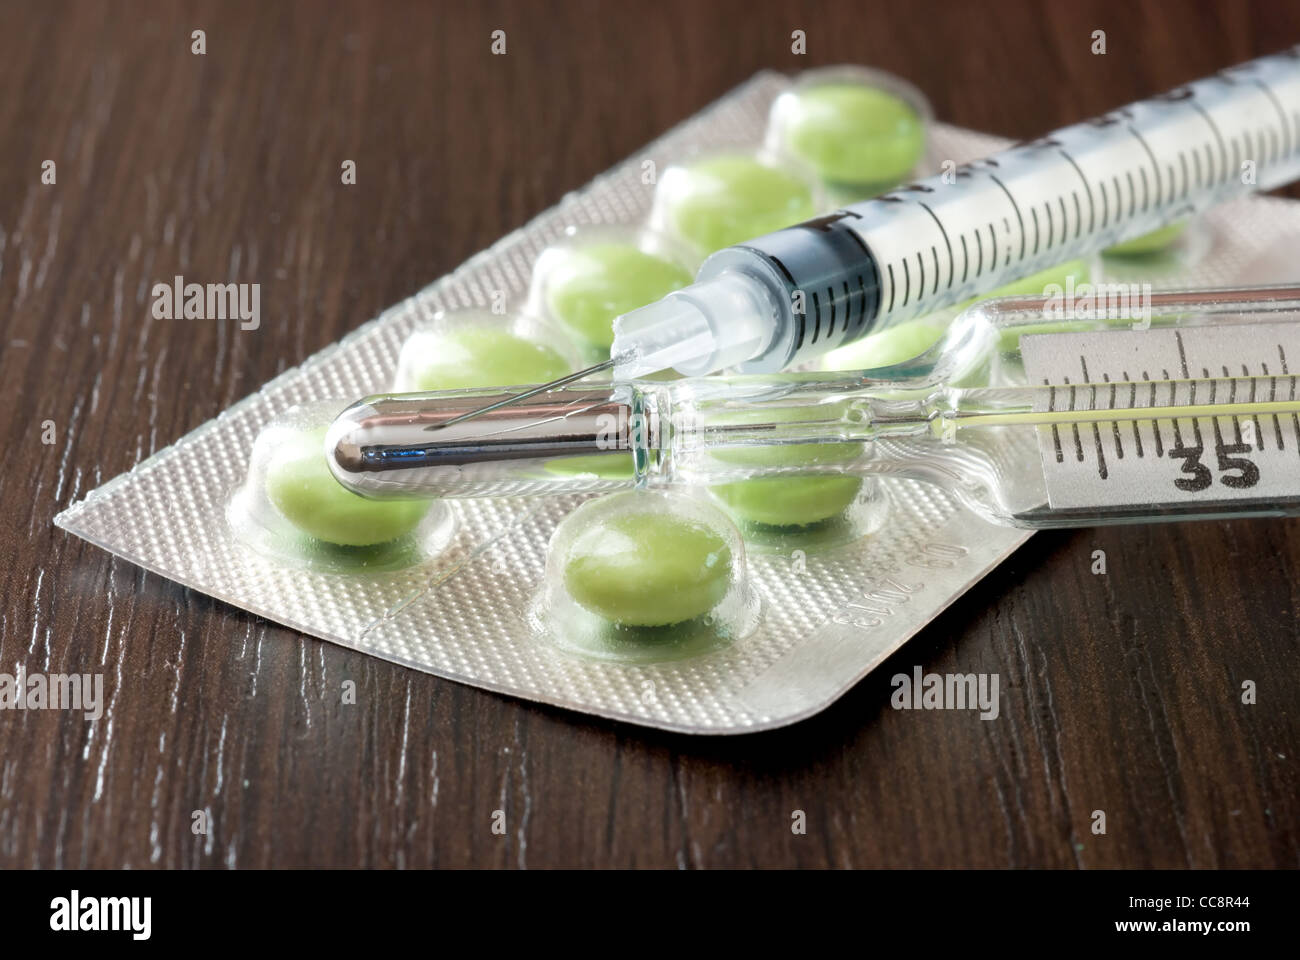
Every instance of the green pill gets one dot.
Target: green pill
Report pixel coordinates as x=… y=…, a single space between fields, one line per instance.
x=648 y=569
x=853 y=134
x=894 y=345
x=1037 y=283
x=607 y=466
x=591 y=285
x=789 y=501
x=723 y=200
x=482 y=357
x=1152 y=242
x=300 y=486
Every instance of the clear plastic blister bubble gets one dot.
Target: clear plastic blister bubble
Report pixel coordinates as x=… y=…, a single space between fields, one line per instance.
x=711 y=199
x=645 y=577
x=473 y=347
x=596 y=272
x=805 y=512
x=291 y=509
x=860 y=131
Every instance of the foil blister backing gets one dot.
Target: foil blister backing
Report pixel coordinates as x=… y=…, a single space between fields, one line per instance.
x=828 y=618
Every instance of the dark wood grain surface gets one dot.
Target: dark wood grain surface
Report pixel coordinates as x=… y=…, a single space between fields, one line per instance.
x=1119 y=692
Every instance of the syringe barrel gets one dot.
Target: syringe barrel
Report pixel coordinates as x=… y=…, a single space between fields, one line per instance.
x=977 y=226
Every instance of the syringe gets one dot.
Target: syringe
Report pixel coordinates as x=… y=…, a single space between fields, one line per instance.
x=1032 y=423
x=779 y=300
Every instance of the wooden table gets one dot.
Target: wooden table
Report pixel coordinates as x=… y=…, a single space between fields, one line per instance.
x=1119 y=692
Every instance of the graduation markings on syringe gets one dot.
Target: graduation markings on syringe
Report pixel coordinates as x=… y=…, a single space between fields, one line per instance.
x=1039 y=226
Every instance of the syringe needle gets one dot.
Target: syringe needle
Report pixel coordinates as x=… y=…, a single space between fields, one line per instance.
x=526 y=394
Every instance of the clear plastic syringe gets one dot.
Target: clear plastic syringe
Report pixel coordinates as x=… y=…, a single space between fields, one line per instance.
x=776 y=301
x=1034 y=413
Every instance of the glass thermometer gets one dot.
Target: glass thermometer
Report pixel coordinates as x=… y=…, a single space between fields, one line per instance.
x=1032 y=412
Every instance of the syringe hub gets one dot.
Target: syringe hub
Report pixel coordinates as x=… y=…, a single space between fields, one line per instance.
x=710 y=325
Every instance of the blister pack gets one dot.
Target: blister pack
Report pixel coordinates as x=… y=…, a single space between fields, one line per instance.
x=454 y=588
